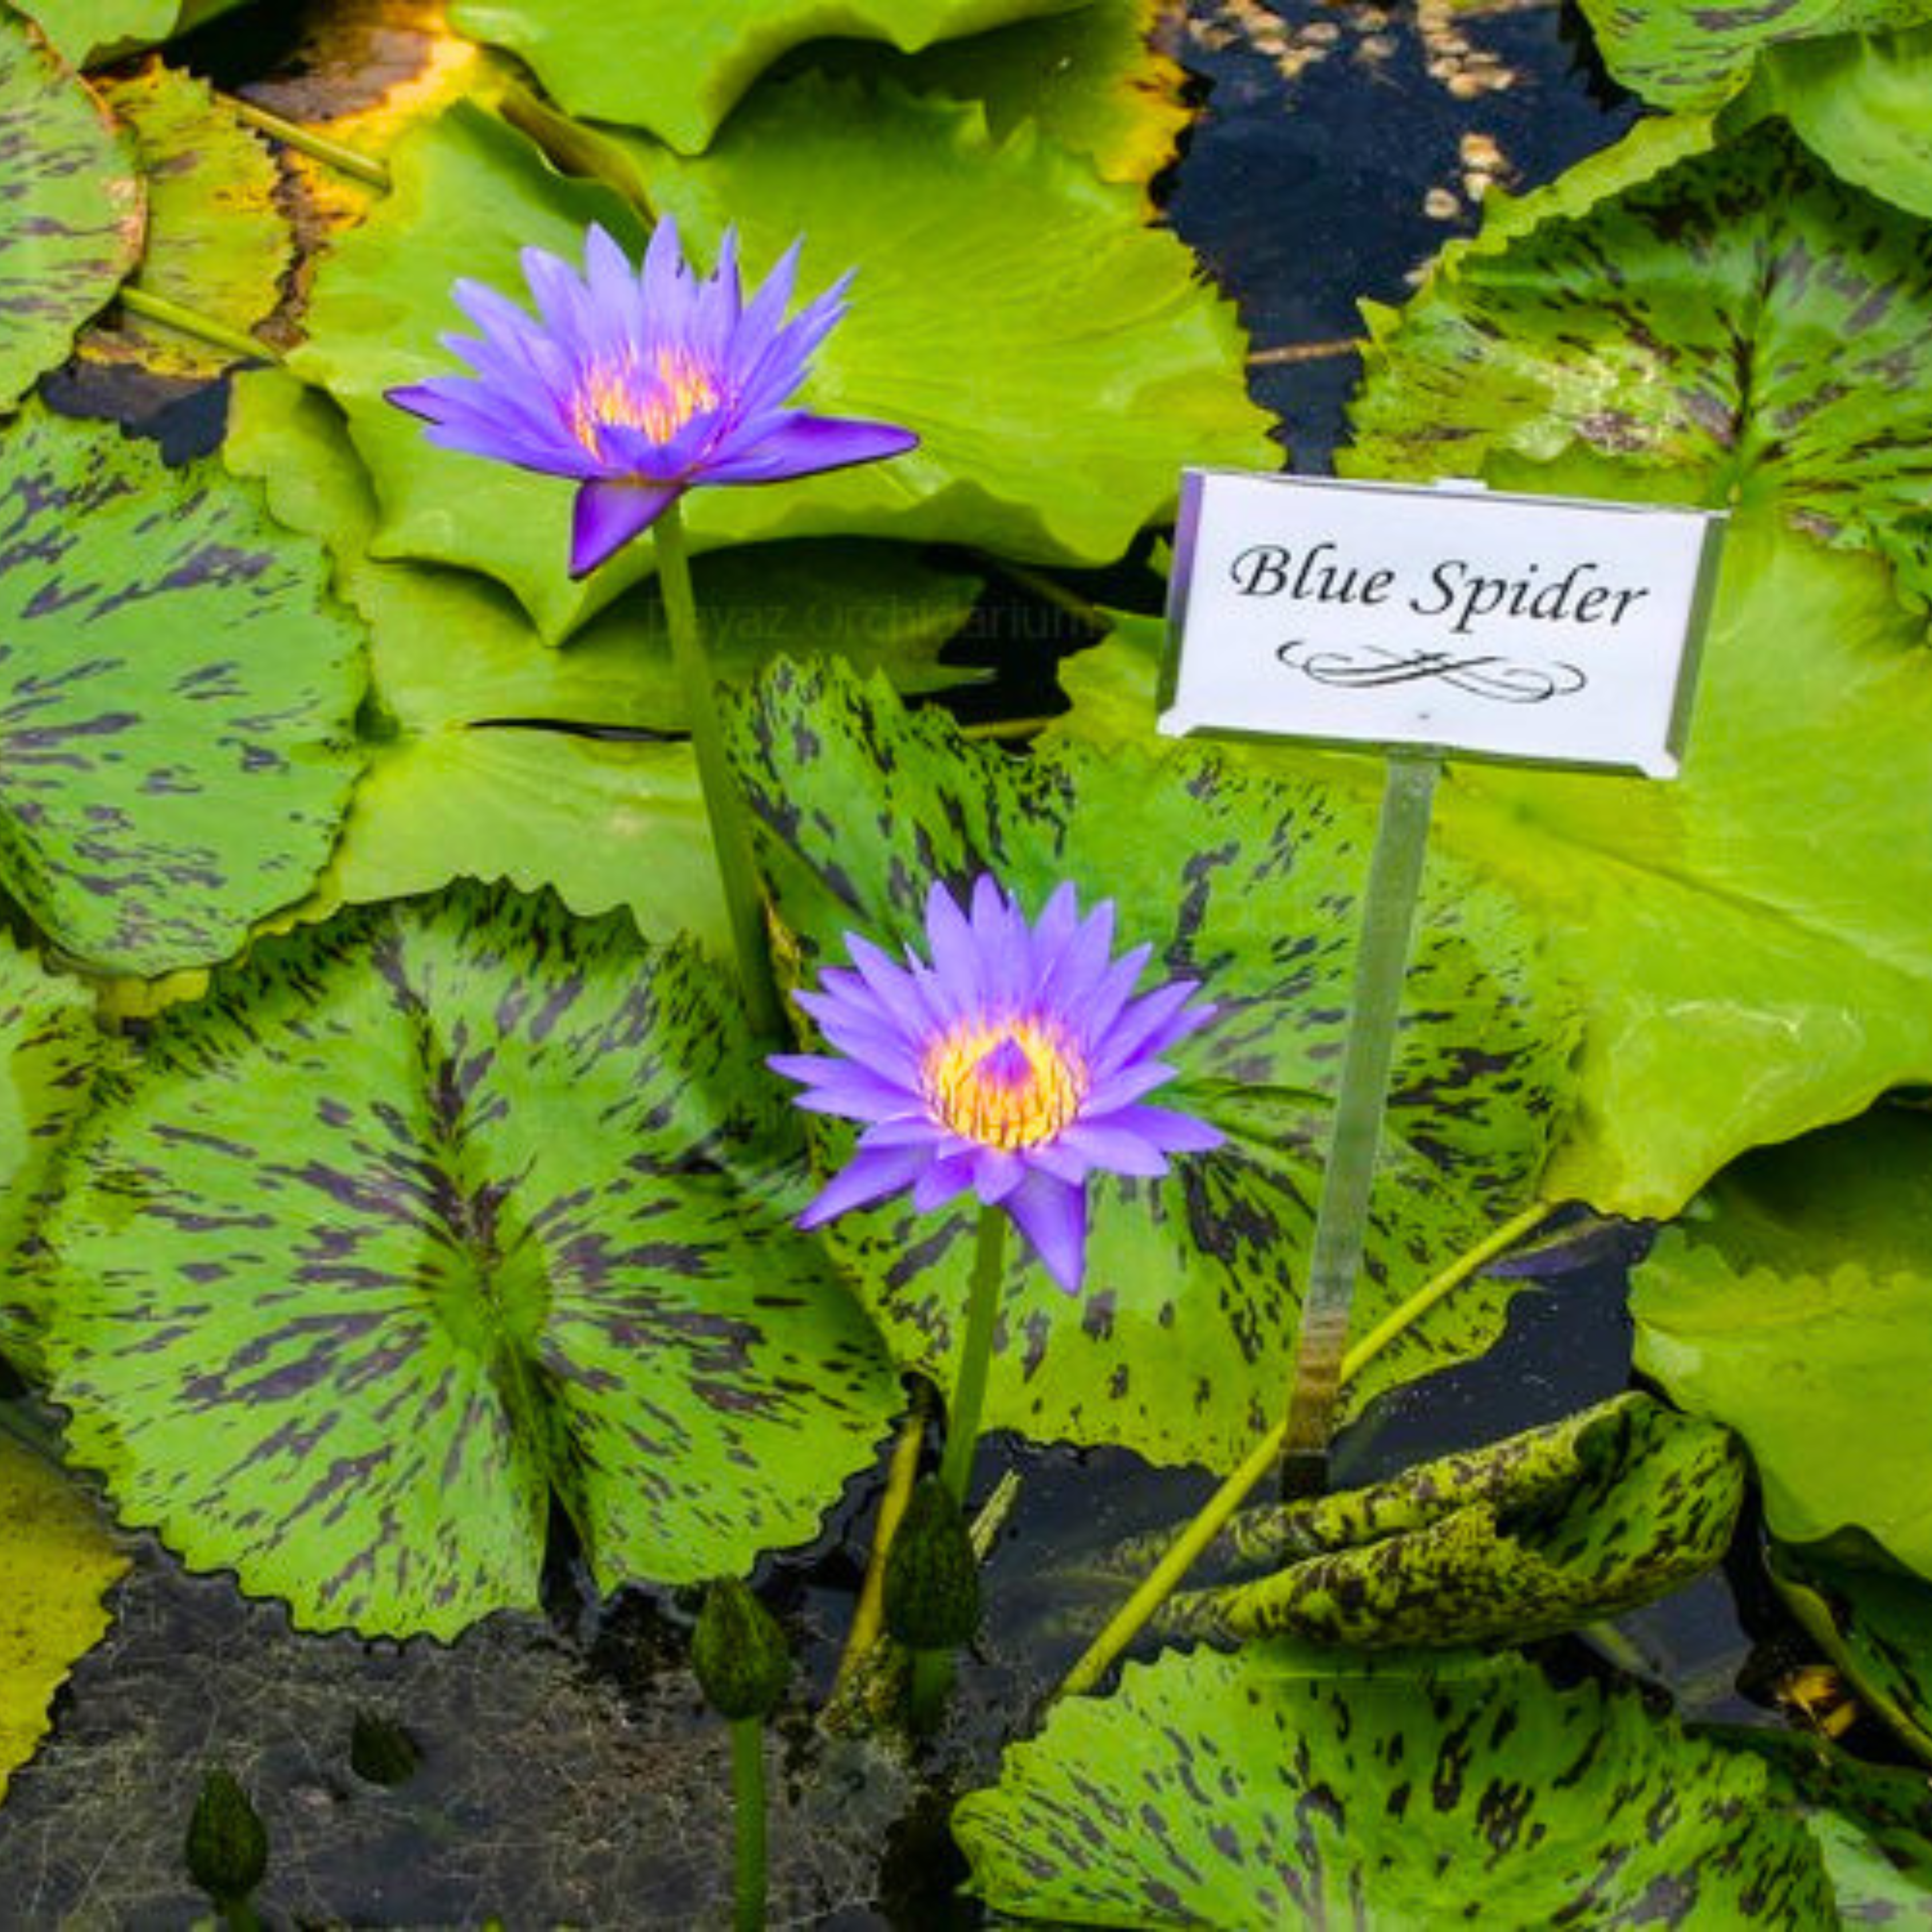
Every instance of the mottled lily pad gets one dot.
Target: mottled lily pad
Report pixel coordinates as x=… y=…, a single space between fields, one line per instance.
x=491 y=756
x=431 y=1214
x=60 y=1563
x=1796 y=1306
x=1744 y=979
x=71 y=209
x=1585 y=1519
x=917 y=196
x=1677 y=55
x=1744 y=321
x=1179 y=1345
x=217 y=244
x=1281 y=1786
x=177 y=695
x=1874 y=1622
x=685 y=68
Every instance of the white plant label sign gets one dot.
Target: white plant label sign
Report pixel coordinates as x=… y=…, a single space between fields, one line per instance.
x=1457 y=620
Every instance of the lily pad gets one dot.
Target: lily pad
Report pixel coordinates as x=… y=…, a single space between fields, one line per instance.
x=1744 y=979
x=217 y=244
x=93 y=33
x=1875 y=1623
x=1179 y=1346
x=1091 y=78
x=1280 y=1786
x=685 y=68
x=1744 y=322
x=49 y=1050
x=1796 y=1307
x=60 y=1563
x=425 y=1217
x=491 y=756
x=1861 y=103
x=71 y=209
x=177 y=696
x=1585 y=1519
x=918 y=197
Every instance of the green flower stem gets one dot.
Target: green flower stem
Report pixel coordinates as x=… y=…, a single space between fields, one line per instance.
x=868 y=1617
x=969 y=1392
x=724 y=802
x=1388 y=915
x=747 y=1791
x=306 y=141
x=205 y=328
x=1161 y=1581
x=926 y=1695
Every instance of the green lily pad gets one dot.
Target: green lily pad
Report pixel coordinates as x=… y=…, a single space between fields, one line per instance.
x=1091 y=78
x=1861 y=103
x=60 y=1563
x=1676 y=56
x=1744 y=322
x=49 y=1049
x=428 y=1215
x=491 y=756
x=92 y=33
x=71 y=209
x=1279 y=1786
x=1875 y=1623
x=1179 y=1346
x=1796 y=1307
x=918 y=197
x=177 y=697
x=1584 y=1519
x=1744 y=979
x=1873 y=1823
x=217 y=243
x=685 y=68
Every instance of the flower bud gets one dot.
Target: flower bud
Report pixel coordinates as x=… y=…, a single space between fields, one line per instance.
x=739 y=1652
x=932 y=1576
x=227 y=1848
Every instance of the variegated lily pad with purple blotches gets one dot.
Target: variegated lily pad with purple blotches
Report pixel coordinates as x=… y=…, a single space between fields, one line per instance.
x=178 y=697
x=431 y=1215
x=70 y=208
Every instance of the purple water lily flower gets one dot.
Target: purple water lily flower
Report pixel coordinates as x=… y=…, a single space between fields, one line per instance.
x=1015 y=1064
x=643 y=384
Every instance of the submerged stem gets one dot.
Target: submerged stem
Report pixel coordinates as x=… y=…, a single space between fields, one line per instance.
x=1161 y=1581
x=190 y=321
x=969 y=1392
x=724 y=802
x=747 y=1791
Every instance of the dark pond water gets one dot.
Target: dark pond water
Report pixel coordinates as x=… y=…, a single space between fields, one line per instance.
x=565 y=1771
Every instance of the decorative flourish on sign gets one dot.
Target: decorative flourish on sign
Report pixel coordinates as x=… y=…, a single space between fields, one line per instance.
x=1502 y=680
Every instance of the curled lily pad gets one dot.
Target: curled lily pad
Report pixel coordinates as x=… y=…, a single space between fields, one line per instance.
x=917 y=196
x=684 y=66
x=1743 y=980
x=1743 y=322
x=1796 y=1307
x=60 y=1562
x=490 y=755
x=177 y=695
x=427 y=1216
x=1282 y=1786
x=1587 y=1518
x=1179 y=1345
x=217 y=243
x=1679 y=56
x=1874 y=1622
x=92 y=32
x=70 y=208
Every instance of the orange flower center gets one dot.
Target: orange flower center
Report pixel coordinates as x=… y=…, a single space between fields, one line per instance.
x=617 y=394
x=1010 y=1085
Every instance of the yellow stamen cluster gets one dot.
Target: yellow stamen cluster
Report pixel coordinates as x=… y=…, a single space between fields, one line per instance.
x=974 y=1086
x=617 y=394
